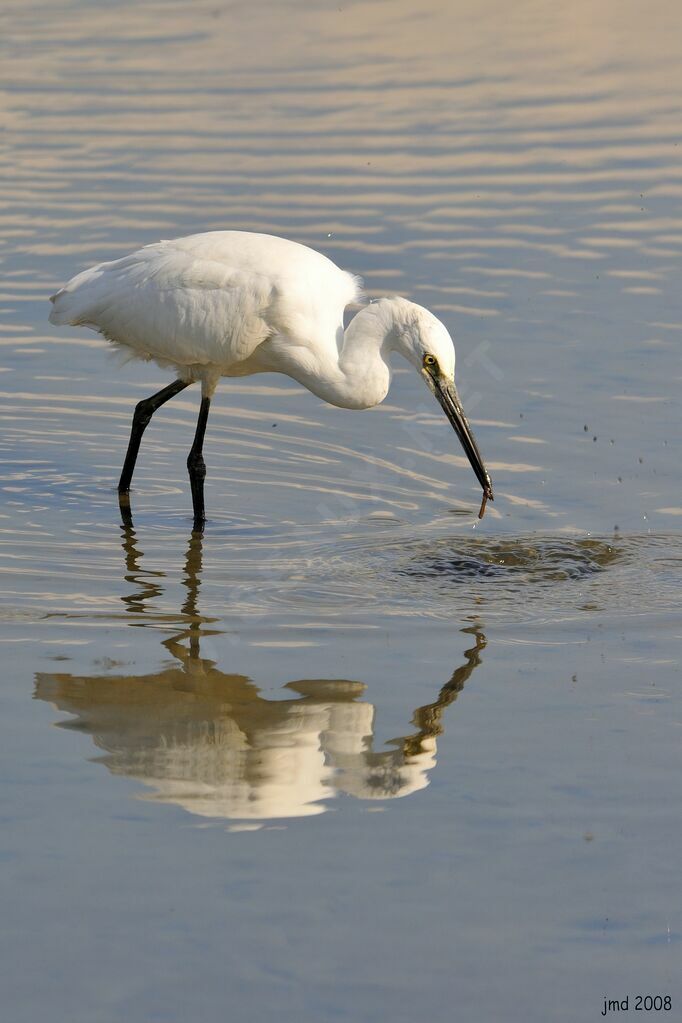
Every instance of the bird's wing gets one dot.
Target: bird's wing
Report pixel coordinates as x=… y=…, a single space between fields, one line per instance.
x=208 y=299
x=306 y=292
x=164 y=303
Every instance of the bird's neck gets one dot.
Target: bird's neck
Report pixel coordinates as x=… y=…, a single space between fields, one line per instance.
x=357 y=373
x=364 y=358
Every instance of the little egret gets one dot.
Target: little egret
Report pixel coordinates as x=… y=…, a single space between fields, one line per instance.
x=233 y=303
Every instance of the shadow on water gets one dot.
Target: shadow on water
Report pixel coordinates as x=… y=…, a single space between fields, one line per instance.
x=208 y=741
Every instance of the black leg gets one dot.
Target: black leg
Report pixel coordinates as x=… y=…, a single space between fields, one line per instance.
x=197 y=466
x=144 y=411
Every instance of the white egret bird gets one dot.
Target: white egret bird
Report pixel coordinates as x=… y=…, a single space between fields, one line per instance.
x=232 y=303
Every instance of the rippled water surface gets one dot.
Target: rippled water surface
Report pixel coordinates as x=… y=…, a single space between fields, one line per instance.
x=354 y=754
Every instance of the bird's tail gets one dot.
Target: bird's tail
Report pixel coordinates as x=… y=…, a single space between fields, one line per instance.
x=73 y=303
x=59 y=312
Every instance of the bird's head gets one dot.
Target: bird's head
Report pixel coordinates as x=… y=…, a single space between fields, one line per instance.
x=424 y=341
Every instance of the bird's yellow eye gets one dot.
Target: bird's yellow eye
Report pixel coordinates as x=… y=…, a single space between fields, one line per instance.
x=430 y=360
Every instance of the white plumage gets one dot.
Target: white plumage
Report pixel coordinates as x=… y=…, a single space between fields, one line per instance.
x=232 y=303
x=205 y=304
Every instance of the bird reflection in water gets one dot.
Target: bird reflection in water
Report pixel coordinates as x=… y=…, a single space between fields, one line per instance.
x=208 y=741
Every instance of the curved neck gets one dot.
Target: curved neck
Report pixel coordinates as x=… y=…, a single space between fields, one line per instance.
x=351 y=370
x=363 y=359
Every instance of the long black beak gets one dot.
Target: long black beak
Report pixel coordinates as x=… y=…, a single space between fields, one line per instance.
x=446 y=393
